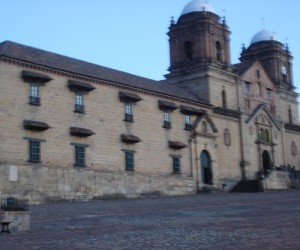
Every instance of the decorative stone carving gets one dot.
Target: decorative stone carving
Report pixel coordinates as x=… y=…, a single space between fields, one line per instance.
x=35 y=125
x=30 y=76
x=177 y=145
x=129 y=97
x=251 y=130
x=186 y=110
x=80 y=86
x=127 y=138
x=81 y=132
x=275 y=135
x=227 y=137
x=165 y=105
x=294 y=148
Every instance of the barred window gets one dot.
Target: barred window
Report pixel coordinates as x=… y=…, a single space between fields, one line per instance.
x=79 y=106
x=34 y=151
x=128 y=112
x=79 y=155
x=167 y=120
x=129 y=160
x=34 y=98
x=176 y=165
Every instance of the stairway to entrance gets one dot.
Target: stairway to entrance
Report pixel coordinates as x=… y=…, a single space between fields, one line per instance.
x=249 y=186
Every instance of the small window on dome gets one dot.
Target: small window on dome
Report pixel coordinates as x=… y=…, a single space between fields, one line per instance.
x=188 y=46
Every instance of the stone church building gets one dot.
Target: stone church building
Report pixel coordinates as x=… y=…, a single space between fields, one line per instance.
x=70 y=129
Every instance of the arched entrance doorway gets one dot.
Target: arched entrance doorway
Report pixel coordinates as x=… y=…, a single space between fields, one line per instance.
x=266 y=161
x=206 y=168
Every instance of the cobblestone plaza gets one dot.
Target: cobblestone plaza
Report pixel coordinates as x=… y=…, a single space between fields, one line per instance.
x=205 y=221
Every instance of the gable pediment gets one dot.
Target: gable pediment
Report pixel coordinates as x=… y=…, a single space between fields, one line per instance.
x=263 y=117
x=249 y=71
x=205 y=125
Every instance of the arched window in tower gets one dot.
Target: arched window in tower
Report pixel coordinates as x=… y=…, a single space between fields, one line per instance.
x=284 y=73
x=218 y=50
x=188 y=47
x=224 y=99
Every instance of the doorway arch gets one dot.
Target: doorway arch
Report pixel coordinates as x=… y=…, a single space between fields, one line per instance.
x=206 y=171
x=266 y=161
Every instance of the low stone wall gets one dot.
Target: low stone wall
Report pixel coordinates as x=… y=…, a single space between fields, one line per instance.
x=278 y=180
x=40 y=184
x=20 y=220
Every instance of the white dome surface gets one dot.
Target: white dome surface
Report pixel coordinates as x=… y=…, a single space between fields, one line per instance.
x=264 y=35
x=197 y=6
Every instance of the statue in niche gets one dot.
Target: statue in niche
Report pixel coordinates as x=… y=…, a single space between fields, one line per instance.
x=251 y=131
x=227 y=137
x=294 y=148
x=275 y=135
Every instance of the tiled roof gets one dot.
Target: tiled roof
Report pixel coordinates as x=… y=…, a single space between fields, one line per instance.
x=63 y=63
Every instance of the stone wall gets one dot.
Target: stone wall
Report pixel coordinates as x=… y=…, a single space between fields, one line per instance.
x=40 y=184
x=278 y=180
x=20 y=221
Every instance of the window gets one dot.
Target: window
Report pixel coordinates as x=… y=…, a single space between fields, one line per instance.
x=257 y=73
x=129 y=160
x=167 y=121
x=176 y=165
x=290 y=115
x=247 y=88
x=262 y=135
x=248 y=105
x=267 y=133
x=269 y=94
x=79 y=107
x=224 y=99
x=188 y=46
x=79 y=155
x=34 y=98
x=273 y=109
x=218 y=50
x=204 y=127
x=34 y=151
x=284 y=78
x=188 y=125
x=128 y=112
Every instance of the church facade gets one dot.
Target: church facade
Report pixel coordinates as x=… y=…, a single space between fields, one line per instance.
x=74 y=130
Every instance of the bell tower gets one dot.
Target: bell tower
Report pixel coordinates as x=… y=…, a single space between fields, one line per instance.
x=199 y=50
x=273 y=55
x=198 y=38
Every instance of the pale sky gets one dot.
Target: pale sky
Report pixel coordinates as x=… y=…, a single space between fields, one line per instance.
x=130 y=35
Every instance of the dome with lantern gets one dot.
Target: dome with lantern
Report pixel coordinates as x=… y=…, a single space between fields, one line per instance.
x=264 y=35
x=198 y=6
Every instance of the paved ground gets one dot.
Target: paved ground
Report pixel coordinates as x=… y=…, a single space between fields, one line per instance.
x=204 y=221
